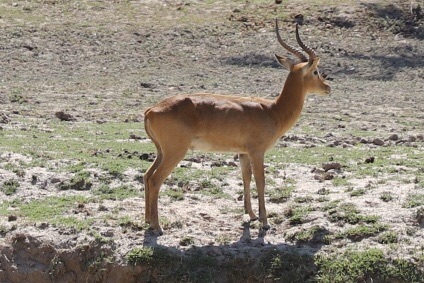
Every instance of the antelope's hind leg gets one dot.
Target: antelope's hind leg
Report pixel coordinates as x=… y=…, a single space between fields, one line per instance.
x=170 y=159
x=246 y=172
x=146 y=179
x=257 y=161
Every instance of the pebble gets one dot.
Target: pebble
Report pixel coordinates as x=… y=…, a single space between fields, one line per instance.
x=378 y=142
x=107 y=233
x=12 y=218
x=331 y=165
x=394 y=137
x=370 y=159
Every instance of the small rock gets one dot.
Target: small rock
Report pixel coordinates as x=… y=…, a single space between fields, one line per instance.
x=135 y=137
x=12 y=218
x=364 y=141
x=147 y=156
x=217 y=163
x=205 y=216
x=337 y=142
x=370 y=159
x=323 y=191
x=4 y=119
x=62 y=116
x=231 y=164
x=147 y=85
x=102 y=208
x=55 y=180
x=34 y=180
x=43 y=225
x=412 y=139
x=324 y=177
x=331 y=165
x=419 y=216
x=394 y=137
x=378 y=142
x=107 y=233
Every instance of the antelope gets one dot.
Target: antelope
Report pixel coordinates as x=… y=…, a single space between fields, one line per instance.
x=222 y=123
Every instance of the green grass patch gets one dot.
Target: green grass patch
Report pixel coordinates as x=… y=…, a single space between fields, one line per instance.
x=357 y=192
x=116 y=193
x=361 y=232
x=388 y=237
x=174 y=194
x=10 y=187
x=281 y=194
x=297 y=214
x=50 y=209
x=348 y=213
x=140 y=256
x=315 y=235
x=104 y=146
x=414 y=200
x=80 y=182
x=366 y=266
x=386 y=196
x=286 y=266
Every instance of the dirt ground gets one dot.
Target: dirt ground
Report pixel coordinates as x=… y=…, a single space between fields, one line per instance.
x=105 y=62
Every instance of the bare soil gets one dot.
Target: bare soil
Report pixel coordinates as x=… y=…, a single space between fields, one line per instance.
x=109 y=61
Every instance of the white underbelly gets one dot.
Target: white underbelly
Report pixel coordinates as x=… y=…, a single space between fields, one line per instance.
x=204 y=145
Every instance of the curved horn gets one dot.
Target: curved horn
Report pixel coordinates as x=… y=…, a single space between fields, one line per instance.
x=290 y=48
x=307 y=49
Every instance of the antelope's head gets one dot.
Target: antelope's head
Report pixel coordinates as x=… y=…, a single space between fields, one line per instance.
x=307 y=69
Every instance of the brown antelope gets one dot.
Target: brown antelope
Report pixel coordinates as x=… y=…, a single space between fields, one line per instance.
x=223 y=123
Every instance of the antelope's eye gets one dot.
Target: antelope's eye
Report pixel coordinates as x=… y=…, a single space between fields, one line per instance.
x=316 y=73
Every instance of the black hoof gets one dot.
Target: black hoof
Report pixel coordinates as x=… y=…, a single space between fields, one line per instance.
x=266 y=227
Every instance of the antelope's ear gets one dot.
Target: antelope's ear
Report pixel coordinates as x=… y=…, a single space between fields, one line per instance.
x=286 y=62
x=313 y=65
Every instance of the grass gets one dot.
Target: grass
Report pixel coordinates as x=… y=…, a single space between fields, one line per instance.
x=174 y=194
x=361 y=232
x=297 y=214
x=140 y=256
x=414 y=200
x=357 y=192
x=363 y=266
x=348 y=213
x=53 y=210
x=388 y=237
x=115 y=193
x=186 y=241
x=99 y=145
x=10 y=187
x=281 y=194
x=386 y=196
x=315 y=234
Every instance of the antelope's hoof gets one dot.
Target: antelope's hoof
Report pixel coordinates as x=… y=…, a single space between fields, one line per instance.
x=157 y=230
x=266 y=227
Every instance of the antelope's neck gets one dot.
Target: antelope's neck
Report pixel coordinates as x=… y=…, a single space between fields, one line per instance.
x=289 y=104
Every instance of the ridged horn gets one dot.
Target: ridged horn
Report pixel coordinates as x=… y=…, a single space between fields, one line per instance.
x=290 y=48
x=307 y=49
